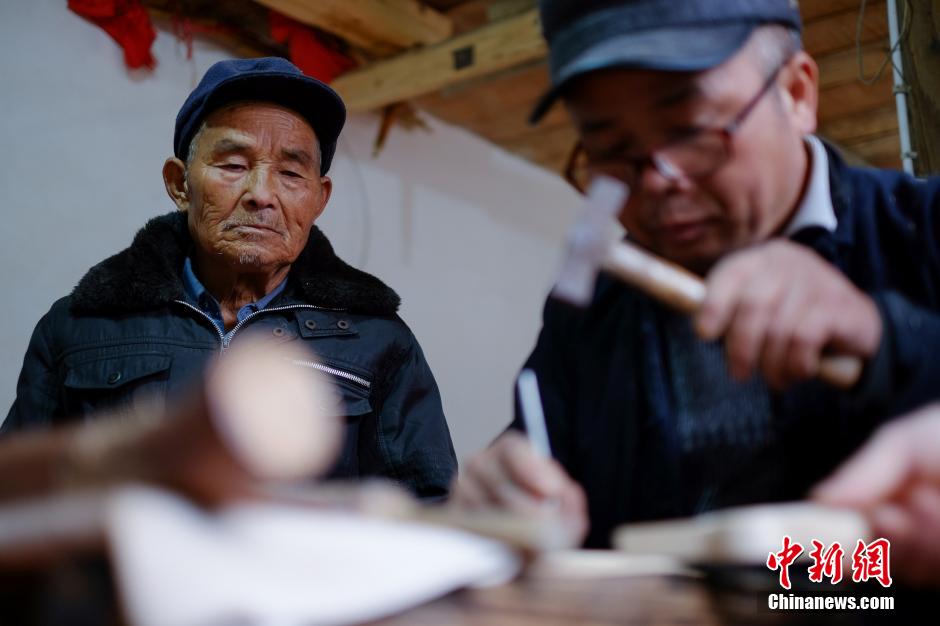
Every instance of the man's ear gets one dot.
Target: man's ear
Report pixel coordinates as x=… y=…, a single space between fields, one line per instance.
x=326 y=188
x=174 y=179
x=800 y=84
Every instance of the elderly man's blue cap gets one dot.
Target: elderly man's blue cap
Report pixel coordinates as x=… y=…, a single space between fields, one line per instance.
x=269 y=79
x=666 y=35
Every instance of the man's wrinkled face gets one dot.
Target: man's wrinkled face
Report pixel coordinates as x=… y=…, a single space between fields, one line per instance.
x=254 y=185
x=625 y=114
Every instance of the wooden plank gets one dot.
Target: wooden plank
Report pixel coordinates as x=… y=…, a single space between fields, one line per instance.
x=862 y=126
x=238 y=44
x=489 y=49
x=239 y=25
x=809 y=9
x=812 y=10
x=855 y=97
x=501 y=9
x=836 y=32
x=378 y=26
x=496 y=107
x=469 y=16
x=842 y=67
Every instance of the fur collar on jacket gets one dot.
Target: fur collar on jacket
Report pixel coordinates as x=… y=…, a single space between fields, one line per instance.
x=146 y=275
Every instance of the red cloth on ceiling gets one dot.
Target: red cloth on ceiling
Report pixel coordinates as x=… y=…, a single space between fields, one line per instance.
x=128 y=24
x=306 y=50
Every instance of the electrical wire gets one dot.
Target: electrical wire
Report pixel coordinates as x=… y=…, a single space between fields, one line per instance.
x=905 y=30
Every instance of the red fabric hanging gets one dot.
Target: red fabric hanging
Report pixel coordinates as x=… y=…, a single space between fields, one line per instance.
x=128 y=24
x=306 y=50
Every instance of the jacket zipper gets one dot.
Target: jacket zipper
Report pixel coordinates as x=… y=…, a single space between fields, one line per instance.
x=248 y=317
x=335 y=372
x=318 y=366
x=209 y=319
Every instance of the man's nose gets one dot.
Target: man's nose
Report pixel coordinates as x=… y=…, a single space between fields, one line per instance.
x=260 y=188
x=659 y=175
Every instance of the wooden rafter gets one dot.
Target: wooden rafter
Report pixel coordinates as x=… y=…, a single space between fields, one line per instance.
x=497 y=46
x=380 y=27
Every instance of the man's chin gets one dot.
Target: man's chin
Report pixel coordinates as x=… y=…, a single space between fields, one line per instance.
x=252 y=260
x=249 y=258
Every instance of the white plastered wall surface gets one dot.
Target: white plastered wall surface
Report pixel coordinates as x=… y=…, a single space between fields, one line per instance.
x=468 y=235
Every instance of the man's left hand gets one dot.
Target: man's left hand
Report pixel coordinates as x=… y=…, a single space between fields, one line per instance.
x=895 y=480
x=778 y=306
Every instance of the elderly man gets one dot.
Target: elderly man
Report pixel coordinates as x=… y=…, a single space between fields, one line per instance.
x=253 y=145
x=707 y=109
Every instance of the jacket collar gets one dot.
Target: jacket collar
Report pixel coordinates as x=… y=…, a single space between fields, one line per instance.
x=147 y=275
x=840 y=188
x=815 y=209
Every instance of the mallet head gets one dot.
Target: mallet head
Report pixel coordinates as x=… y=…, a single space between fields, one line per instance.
x=589 y=240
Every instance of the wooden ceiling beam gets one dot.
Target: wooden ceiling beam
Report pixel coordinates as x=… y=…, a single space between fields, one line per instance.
x=862 y=126
x=843 y=66
x=380 y=27
x=838 y=31
x=486 y=50
x=853 y=98
x=812 y=10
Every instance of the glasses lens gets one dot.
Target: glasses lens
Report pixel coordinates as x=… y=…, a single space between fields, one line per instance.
x=696 y=156
x=693 y=157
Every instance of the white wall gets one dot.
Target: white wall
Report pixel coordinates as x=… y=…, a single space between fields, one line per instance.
x=468 y=235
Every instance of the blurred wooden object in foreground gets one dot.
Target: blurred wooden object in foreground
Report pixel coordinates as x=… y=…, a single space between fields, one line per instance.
x=743 y=535
x=256 y=418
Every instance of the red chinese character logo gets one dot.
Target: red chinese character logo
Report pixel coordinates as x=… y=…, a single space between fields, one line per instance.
x=872 y=561
x=828 y=563
x=782 y=560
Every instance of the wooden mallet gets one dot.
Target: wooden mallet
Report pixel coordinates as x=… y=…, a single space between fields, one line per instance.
x=594 y=245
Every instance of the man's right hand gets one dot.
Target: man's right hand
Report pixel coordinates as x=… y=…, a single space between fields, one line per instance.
x=511 y=475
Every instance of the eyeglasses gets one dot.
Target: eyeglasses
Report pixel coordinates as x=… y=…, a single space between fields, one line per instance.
x=695 y=155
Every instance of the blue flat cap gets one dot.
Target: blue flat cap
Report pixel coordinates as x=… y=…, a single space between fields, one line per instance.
x=666 y=35
x=268 y=79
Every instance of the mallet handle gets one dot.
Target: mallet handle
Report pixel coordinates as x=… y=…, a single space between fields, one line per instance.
x=682 y=290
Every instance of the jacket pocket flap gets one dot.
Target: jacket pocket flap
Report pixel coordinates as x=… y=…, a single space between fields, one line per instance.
x=356 y=400
x=352 y=389
x=316 y=324
x=113 y=371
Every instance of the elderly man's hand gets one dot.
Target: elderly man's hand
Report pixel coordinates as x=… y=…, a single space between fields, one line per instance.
x=895 y=479
x=510 y=475
x=778 y=305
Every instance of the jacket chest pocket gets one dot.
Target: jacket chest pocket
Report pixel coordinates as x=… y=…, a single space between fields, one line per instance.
x=355 y=400
x=353 y=389
x=355 y=407
x=115 y=382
